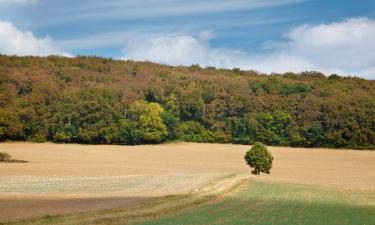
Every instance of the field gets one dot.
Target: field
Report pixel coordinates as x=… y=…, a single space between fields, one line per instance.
x=201 y=181
x=275 y=203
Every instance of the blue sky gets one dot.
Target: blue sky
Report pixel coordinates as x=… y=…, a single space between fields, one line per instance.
x=266 y=35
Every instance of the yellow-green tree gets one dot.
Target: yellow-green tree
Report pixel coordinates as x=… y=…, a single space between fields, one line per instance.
x=148 y=116
x=259 y=158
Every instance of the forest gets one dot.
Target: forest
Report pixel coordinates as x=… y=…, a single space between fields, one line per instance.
x=96 y=100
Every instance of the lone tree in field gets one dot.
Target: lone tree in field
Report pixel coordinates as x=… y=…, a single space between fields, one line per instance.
x=259 y=158
x=4 y=156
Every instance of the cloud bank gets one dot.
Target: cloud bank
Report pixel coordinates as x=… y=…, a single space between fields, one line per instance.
x=16 y=42
x=345 y=47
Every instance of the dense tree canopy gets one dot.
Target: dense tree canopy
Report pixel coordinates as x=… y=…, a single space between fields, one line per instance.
x=149 y=120
x=97 y=100
x=259 y=158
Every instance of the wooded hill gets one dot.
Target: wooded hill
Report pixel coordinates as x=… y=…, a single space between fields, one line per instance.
x=99 y=100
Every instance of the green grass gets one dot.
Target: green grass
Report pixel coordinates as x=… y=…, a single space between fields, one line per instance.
x=274 y=203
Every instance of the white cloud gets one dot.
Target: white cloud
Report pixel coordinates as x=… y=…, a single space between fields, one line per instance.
x=346 y=48
x=16 y=42
x=121 y=37
x=175 y=50
x=181 y=50
x=349 y=44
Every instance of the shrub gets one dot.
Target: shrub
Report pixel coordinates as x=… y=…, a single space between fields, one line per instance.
x=259 y=158
x=4 y=156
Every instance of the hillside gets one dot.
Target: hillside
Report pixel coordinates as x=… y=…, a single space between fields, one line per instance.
x=97 y=100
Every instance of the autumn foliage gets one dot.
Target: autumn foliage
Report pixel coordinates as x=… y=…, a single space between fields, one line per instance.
x=98 y=100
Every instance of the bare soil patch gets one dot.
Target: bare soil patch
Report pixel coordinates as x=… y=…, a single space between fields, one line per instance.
x=30 y=207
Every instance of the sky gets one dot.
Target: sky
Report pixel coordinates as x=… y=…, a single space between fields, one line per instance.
x=330 y=36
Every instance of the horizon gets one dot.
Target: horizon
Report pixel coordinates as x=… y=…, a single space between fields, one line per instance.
x=198 y=65
x=331 y=37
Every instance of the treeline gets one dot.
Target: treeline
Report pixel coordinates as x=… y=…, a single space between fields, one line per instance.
x=97 y=100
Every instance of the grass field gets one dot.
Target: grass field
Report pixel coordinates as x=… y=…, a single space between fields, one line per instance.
x=85 y=184
x=275 y=203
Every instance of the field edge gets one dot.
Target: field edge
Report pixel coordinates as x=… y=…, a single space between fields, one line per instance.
x=160 y=207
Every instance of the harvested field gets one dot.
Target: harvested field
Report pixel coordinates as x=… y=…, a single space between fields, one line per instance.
x=101 y=176
x=352 y=169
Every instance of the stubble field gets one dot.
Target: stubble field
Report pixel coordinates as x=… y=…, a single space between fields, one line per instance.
x=64 y=179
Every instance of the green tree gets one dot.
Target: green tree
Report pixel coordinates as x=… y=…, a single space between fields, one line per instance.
x=2 y=127
x=85 y=116
x=172 y=124
x=194 y=131
x=191 y=103
x=172 y=105
x=259 y=158
x=127 y=132
x=148 y=116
